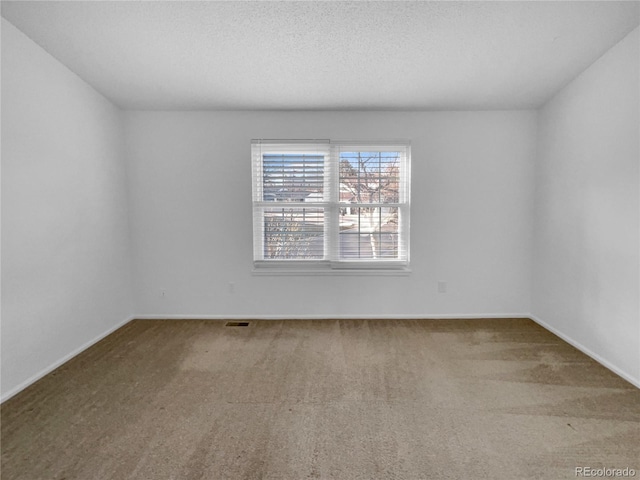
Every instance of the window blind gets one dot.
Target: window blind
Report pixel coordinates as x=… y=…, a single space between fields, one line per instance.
x=330 y=204
x=373 y=181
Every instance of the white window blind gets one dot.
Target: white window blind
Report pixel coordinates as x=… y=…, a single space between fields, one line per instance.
x=323 y=204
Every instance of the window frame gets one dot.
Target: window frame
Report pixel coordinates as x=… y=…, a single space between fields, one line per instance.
x=331 y=263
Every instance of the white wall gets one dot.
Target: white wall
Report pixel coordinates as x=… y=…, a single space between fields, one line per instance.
x=65 y=243
x=585 y=275
x=472 y=201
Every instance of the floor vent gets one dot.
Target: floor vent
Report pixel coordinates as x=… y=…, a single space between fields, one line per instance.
x=236 y=324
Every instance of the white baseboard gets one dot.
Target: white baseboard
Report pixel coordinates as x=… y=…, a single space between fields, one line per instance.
x=605 y=363
x=372 y=316
x=66 y=358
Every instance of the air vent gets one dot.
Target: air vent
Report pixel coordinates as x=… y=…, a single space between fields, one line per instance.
x=236 y=324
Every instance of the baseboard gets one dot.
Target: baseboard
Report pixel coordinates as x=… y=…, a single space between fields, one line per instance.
x=63 y=360
x=605 y=363
x=330 y=316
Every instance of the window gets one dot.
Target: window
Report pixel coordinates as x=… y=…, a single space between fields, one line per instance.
x=330 y=205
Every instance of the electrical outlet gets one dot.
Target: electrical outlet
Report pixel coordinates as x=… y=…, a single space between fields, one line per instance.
x=442 y=287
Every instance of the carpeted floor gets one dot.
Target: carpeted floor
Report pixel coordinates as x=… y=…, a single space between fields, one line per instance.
x=326 y=399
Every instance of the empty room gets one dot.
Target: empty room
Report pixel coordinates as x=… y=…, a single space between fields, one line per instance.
x=331 y=240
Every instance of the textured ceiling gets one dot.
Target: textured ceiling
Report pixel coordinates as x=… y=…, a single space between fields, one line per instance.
x=325 y=55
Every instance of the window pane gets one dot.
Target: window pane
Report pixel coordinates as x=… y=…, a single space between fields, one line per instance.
x=330 y=202
x=368 y=233
x=294 y=233
x=369 y=177
x=291 y=177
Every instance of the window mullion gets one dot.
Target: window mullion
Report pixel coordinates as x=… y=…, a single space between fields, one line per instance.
x=332 y=188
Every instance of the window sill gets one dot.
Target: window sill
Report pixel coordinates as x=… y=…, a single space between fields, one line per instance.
x=365 y=272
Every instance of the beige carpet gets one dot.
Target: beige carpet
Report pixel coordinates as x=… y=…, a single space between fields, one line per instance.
x=349 y=399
